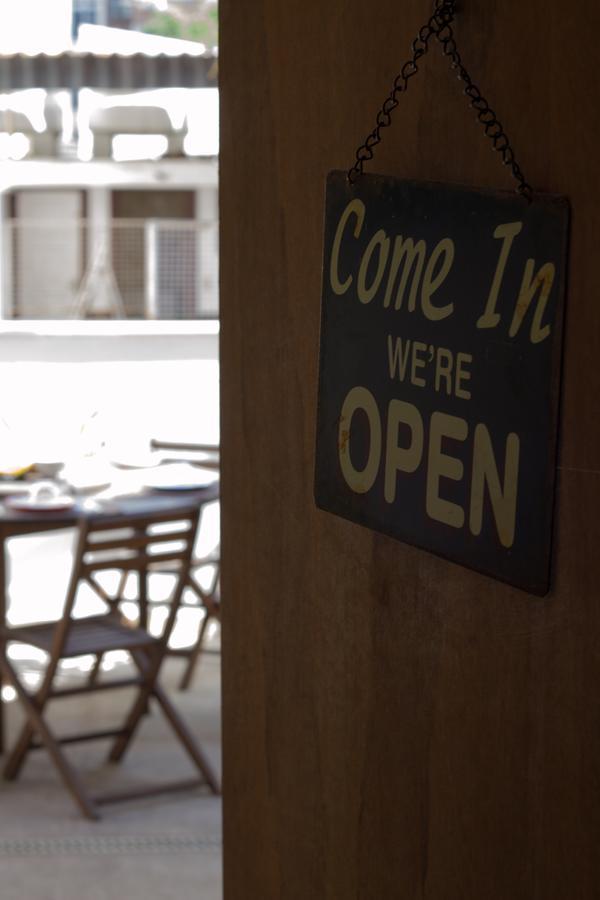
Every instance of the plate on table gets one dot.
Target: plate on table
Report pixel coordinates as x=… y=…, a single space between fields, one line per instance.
x=88 y=477
x=93 y=486
x=141 y=460
x=180 y=477
x=40 y=504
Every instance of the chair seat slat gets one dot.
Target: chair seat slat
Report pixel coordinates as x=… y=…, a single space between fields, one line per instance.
x=135 y=563
x=96 y=634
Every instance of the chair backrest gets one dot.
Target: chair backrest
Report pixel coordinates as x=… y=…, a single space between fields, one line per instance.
x=136 y=543
x=131 y=543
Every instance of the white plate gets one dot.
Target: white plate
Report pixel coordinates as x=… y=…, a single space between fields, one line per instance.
x=138 y=461
x=180 y=477
x=34 y=504
x=88 y=487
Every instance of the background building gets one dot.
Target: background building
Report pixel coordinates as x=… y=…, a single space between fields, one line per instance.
x=112 y=189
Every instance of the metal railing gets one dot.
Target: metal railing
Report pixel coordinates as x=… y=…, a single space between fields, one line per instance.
x=126 y=269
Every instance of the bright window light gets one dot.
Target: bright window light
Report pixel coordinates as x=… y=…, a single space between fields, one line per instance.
x=22 y=652
x=81 y=663
x=63 y=102
x=19 y=146
x=8 y=694
x=202 y=138
x=128 y=147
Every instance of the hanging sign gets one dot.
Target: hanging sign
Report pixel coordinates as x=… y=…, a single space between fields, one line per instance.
x=441 y=328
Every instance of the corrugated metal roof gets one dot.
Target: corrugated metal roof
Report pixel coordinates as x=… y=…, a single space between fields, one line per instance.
x=136 y=71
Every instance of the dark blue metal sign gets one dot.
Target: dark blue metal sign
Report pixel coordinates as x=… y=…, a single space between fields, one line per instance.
x=441 y=339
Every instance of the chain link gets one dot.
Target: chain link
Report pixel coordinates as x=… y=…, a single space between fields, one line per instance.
x=440 y=27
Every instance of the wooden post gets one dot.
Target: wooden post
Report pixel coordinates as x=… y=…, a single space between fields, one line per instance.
x=396 y=726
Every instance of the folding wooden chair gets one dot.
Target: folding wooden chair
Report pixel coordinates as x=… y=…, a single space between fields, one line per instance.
x=127 y=544
x=209 y=600
x=206 y=598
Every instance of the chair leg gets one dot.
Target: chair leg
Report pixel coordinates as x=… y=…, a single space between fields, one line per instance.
x=139 y=708
x=114 y=604
x=151 y=688
x=195 y=652
x=122 y=585
x=37 y=723
x=93 y=676
x=186 y=738
x=16 y=757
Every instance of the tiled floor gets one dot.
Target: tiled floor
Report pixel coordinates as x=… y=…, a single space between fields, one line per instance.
x=165 y=847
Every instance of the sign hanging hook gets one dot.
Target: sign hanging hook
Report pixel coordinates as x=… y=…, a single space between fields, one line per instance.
x=440 y=26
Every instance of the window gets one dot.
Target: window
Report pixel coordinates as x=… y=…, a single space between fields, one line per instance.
x=130 y=254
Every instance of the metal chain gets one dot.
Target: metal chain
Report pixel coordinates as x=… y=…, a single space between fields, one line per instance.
x=440 y=27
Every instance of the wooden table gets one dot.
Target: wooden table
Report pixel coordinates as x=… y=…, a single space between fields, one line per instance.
x=13 y=524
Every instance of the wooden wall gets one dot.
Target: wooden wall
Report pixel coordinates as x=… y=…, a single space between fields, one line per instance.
x=396 y=726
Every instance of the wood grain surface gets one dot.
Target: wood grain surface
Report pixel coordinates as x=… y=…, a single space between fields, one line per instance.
x=396 y=726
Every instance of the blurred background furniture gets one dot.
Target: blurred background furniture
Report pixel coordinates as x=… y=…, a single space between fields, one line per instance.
x=107 y=123
x=133 y=535
x=43 y=142
x=208 y=599
x=205 y=594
